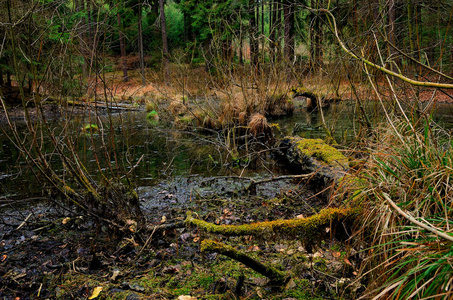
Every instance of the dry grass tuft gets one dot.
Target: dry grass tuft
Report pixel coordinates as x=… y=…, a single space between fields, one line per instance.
x=258 y=125
x=242 y=118
x=177 y=108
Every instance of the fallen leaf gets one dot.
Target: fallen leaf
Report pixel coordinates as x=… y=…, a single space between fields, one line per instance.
x=355 y=273
x=254 y=248
x=336 y=254
x=347 y=261
x=317 y=254
x=96 y=292
x=114 y=275
x=171 y=269
x=65 y=220
x=132 y=225
x=186 y=297
x=196 y=239
x=259 y=292
x=164 y=219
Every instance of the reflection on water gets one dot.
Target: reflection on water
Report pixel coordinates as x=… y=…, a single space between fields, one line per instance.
x=345 y=119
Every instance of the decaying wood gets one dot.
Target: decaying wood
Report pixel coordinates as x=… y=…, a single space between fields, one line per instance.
x=310 y=229
x=304 y=156
x=277 y=278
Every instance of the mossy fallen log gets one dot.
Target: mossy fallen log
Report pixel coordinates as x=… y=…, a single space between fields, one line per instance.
x=310 y=229
x=313 y=156
x=103 y=105
x=277 y=278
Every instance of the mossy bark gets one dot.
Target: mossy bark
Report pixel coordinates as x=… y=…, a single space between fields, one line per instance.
x=314 y=156
x=310 y=229
x=277 y=278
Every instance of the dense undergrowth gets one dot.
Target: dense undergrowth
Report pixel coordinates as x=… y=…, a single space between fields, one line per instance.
x=407 y=198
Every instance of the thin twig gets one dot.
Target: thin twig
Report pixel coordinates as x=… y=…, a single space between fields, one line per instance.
x=24 y=222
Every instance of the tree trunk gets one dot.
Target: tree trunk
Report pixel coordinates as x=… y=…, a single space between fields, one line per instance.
x=253 y=27
x=140 y=44
x=165 y=61
x=122 y=49
x=187 y=29
x=90 y=44
x=278 y=29
x=288 y=13
x=80 y=6
x=391 y=34
x=263 y=39
x=241 y=47
x=272 y=16
x=8 y=78
x=410 y=24
x=316 y=38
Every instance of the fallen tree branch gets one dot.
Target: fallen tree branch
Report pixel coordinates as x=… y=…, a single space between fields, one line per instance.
x=24 y=222
x=416 y=222
x=277 y=278
x=310 y=229
x=159 y=228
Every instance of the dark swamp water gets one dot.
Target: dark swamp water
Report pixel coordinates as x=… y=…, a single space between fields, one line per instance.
x=173 y=167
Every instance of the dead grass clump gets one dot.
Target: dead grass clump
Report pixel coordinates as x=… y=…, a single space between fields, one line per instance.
x=407 y=197
x=210 y=123
x=258 y=125
x=177 y=108
x=278 y=105
x=185 y=122
x=150 y=106
x=242 y=118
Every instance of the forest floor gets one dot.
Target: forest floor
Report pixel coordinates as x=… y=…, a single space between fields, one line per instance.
x=48 y=252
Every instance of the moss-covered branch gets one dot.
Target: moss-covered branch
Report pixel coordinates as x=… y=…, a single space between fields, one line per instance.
x=277 y=277
x=309 y=229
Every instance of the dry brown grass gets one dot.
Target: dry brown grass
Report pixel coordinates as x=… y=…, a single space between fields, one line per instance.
x=258 y=125
x=227 y=97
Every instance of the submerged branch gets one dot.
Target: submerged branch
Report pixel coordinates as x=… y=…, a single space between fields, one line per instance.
x=254 y=183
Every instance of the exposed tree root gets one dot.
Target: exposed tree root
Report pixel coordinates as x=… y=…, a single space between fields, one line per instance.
x=277 y=278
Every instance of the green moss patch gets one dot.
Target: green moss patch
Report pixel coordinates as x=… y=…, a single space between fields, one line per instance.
x=318 y=149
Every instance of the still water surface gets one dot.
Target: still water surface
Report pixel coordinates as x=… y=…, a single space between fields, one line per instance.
x=158 y=155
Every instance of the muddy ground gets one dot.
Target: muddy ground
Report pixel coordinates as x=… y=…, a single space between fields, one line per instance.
x=50 y=251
